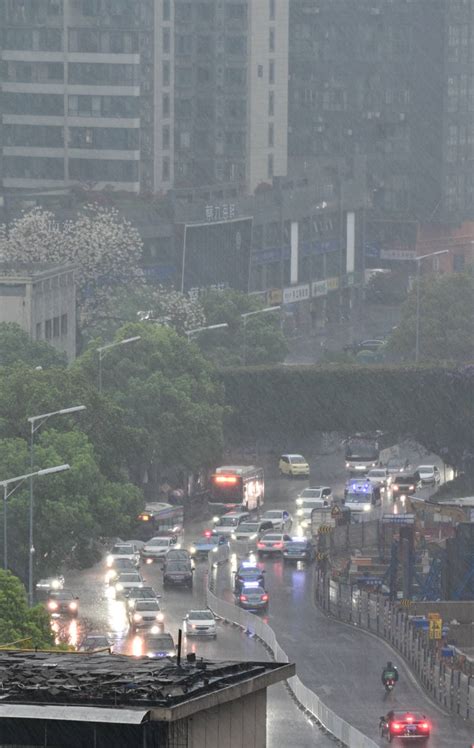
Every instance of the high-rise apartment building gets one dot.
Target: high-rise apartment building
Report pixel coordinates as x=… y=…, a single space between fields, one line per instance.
x=365 y=82
x=138 y=96
x=458 y=111
x=85 y=98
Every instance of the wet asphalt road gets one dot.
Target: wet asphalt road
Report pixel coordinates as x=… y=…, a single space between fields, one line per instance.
x=340 y=663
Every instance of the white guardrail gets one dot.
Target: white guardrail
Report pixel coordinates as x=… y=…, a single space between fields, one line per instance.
x=251 y=623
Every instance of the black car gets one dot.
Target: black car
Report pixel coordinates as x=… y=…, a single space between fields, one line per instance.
x=178 y=573
x=159 y=645
x=299 y=549
x=62 y=602
x=253 y=597
x=248 y=573
x=405 y=485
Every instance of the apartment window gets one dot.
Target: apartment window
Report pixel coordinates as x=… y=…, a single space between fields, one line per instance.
x=271 y=135
x=271 y=40
x=166 y=74
x=166 y=170
x=47 y=329
x=271 y=72
x=184 y=140
x=38 y=330
x=272 y=10
x=63 y=324
x=166 y=10
x=50 y=40
x=166 y=41
x=236 y=45
x=260 y=71
x=270 y=165
x=166 y=105
x=271 y=103
x=166 y=137
x=56 y=327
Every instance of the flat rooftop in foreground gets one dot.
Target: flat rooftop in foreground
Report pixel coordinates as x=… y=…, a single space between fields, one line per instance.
x=123 y=689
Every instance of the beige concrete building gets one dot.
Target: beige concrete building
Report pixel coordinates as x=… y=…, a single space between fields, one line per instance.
x=42 y=300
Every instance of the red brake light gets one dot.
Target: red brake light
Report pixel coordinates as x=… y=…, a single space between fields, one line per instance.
x=260 y=545
x=424 y=725
x=225 y=479
x=264 y=598
x=243 y=598
x=208 y=533
x=396 y=726
x=409 y=718
x=278 y=545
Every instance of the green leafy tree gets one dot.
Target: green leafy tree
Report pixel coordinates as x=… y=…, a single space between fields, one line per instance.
x=257 y=339
x=72 y=508
x=18 y=621
x=446 y=320
x=172 y=399
x=17 y=346
x=386 y=288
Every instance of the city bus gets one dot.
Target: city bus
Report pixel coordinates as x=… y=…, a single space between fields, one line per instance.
x=237 y=486
x=159 y=519
x=362 y=454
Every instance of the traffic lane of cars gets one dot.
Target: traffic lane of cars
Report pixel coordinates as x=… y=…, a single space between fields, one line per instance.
x=342 y=665
x=286 y=724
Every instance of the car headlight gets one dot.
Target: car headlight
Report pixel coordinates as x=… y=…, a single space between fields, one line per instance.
x=411 y=488
x=299 y=512
x=171 y=653
x=193 y=625
x=119 y=587
x=252 y=537
x=214 y=550
x=299 y=502
x=149 y=561
x=395 y=487
x=137 y=617
x=110 y=560
x=366 y=507
x=160 y=617
x=55 y=584
x=73 y=606
x=215 y=520
x=52 y=605
x=233 y=536
x=192 y=550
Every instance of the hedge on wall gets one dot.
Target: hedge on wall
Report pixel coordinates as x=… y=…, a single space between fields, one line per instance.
x=431 y=404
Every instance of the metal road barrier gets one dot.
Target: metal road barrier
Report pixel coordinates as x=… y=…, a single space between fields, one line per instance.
x=254 y=626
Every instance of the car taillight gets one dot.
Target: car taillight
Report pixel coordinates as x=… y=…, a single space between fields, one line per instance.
x=278 y=545
x=396 y=726
x=243 y=598
x=265 y=598
x=424 y=725
x=260 y=545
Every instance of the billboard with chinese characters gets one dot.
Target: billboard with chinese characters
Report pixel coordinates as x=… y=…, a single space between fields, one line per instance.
x=216 y=254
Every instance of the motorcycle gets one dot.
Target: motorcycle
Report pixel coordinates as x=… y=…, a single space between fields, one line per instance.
x=389 y=684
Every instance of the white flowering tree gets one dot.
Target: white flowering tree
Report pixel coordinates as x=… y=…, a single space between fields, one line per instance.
x=142 y=302
x=105 y=248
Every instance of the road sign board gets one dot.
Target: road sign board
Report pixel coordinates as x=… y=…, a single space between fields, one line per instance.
x=335 y=511
x=398 y=519
x=324 y=529
x=436 y=628
x=406 y=603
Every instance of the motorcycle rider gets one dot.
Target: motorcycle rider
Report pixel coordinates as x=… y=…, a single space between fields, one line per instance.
x=384 y=723
x=389 y=672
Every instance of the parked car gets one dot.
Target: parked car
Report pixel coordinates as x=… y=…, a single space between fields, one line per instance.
x=200 y=623
x=429 y=475
x=272 y=543
x=280 y=519
x=293 y=465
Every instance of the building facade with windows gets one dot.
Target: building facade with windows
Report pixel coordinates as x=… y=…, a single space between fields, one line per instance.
x=136 y=97
x=41 y=299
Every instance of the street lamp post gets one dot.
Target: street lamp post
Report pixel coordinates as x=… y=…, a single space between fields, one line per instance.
x=245 y=316
x=418 y=265
x=35 y=423
x=17 y=481
x=202 y=329
x=104 y=348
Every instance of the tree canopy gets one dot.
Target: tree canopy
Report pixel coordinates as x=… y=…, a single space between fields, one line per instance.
x=18 y=621
x=17 y=346
x=446 y=320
